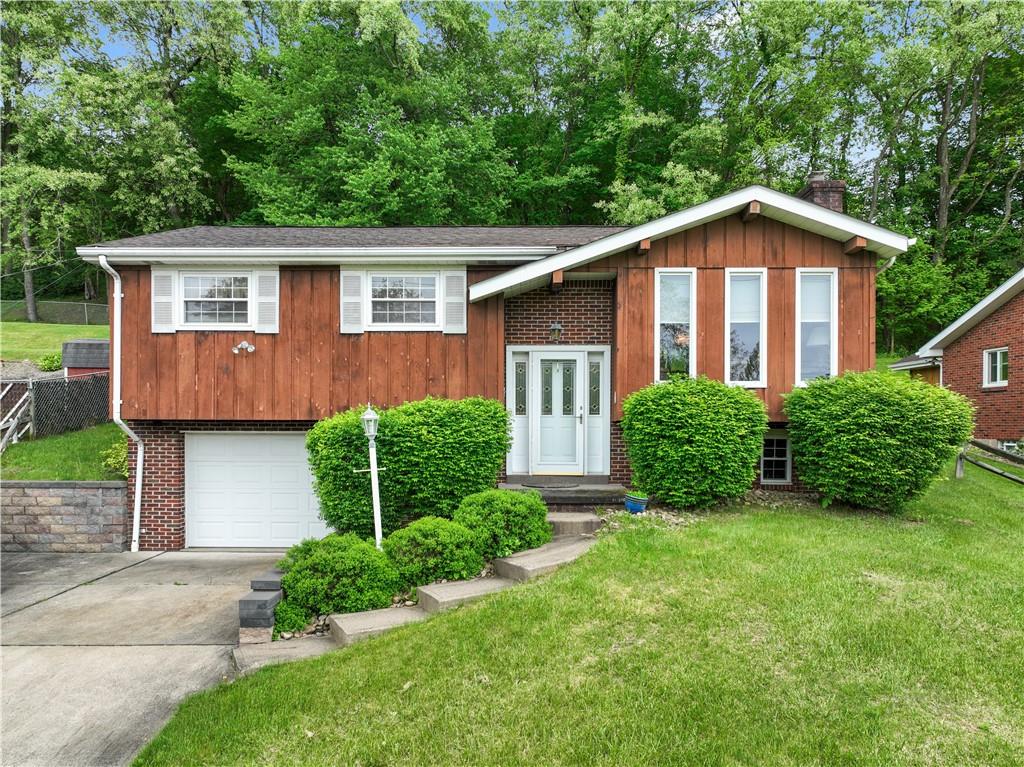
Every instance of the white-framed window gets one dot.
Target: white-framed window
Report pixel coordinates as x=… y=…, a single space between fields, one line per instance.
x=996 y=367
x=215 y=300
x=817 y=324
x=403 y=299
x=675 y=323
x=776 y=461
x=400 y=300
x=746 y=327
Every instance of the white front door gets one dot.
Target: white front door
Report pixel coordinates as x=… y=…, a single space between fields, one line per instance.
x=559 y=384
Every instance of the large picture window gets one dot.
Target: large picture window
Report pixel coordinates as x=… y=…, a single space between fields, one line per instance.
x=817 y=327
x=745 y=326
x=397 y=299
x=674 y=333
x=215 y=299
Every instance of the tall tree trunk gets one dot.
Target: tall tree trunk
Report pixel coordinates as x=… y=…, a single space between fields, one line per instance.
x=27 y=275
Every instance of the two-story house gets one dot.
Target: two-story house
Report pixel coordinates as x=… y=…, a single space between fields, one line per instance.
x=229 y=342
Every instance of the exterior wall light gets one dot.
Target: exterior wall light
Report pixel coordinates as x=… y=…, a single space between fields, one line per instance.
x=555 y=331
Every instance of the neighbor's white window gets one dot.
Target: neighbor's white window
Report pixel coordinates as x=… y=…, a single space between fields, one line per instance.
x=404 y=300
x=997 y=367
x=675 y=309
x=215 y=299
x=745 y=325
x=776 y=462
x=817 y=328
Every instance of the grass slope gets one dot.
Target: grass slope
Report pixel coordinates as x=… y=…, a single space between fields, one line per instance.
x=788 y=636
x=71 y=456
x=31 y=340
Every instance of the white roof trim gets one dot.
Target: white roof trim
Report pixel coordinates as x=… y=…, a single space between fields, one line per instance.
x=426 y=255
x=776 y=205
x=986 y=306
x=922 y=362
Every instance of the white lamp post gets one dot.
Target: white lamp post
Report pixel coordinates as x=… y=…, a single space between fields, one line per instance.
x=370 y=419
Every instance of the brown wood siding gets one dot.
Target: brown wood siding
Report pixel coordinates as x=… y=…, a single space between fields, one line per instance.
x=712 y=248
x=308 y=370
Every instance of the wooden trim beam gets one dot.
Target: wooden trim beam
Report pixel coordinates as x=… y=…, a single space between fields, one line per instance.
x=557 y=280
x=643 y=247
x=855 y=245
x=752 y=212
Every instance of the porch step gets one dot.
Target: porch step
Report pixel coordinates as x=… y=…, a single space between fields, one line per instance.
x=269 y=581
x=583 y=494
x=533 y=562
x=444 y=596
x=349 y=628
x=574 y=522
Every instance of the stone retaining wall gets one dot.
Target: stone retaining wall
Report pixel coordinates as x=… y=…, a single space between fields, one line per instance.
x=64 y=517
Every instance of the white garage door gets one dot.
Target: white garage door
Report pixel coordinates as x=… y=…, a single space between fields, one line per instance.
x=249 y=489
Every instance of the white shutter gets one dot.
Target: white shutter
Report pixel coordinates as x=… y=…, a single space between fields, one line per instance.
x=266 y=287
x=162 y=293
x=454 y=301
x=351 y=302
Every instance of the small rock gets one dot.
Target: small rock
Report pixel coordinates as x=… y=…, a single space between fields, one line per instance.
x=409 y=603
x=396 y=600
x=286 y=635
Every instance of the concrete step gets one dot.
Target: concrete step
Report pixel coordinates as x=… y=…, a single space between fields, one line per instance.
x=250 y=657
x=582 y=494
x=269 y=581
x=444 y=596
x=533 y=562
x=574 y=522
x=256 y=609
x=349 y=628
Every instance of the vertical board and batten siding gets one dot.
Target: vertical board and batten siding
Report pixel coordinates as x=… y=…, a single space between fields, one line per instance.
x=308 y=370
x=713 y=247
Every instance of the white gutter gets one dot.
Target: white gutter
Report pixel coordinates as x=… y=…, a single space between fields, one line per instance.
x=115 y=369
x=90 y=253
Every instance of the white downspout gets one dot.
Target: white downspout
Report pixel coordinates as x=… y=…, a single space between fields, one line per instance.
x=115 y=368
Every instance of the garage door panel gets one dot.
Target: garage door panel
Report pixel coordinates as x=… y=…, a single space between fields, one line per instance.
x=249 y=489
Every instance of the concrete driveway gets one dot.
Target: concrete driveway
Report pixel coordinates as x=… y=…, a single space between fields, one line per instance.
x=98 y=650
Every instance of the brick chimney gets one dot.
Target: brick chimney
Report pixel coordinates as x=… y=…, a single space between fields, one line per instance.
x=824 y=191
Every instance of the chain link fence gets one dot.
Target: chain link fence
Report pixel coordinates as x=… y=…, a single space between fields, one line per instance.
x=58 y=312
x=45 y=406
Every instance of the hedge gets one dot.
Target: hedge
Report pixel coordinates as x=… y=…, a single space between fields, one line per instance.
x=433 y=549
x=505 y=521
x=693 y=441
x=874 y=439
x=433 y=452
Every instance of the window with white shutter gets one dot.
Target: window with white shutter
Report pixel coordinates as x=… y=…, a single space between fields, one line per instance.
x=454 y=283
x=267 y=301
x=351 y=302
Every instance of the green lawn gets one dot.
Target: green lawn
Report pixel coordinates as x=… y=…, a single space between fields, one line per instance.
x=31 y=340
x=882 y=361
x=785 y=636
x=75 y=455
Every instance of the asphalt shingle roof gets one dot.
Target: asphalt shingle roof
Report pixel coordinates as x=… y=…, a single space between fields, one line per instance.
x=368 y=237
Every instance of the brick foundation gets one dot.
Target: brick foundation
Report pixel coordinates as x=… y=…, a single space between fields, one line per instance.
x=64 y=517
x=162 y=524
x=999 y=413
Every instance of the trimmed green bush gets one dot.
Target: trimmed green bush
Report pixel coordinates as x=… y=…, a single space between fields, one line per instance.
x=288 y=616
x=505 y=521
x=432 y=548
x=434 y=453
x=115 y=458
x=693 y=441
x=49 y=363
x=339 y=574
x=874 y=439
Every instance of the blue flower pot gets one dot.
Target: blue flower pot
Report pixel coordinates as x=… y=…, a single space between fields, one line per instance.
x=635 y=505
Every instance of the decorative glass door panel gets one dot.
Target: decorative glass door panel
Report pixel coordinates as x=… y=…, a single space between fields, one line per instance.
x=560 y=382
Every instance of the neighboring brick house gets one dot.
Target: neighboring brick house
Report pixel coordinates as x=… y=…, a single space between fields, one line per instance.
x=981 y=355
x=229 y=342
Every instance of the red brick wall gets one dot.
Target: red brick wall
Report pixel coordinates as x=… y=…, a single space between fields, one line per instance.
x=585 y=310
x=1000 y=412
x=162 y=524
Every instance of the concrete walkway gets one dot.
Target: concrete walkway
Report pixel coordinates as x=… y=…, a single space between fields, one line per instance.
x=98 y=650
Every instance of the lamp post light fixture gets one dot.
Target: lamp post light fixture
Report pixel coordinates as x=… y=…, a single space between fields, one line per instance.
x=370 y=420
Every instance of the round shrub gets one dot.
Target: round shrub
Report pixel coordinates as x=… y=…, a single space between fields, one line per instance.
x=115 y=458
x=432 y=548
x=339 y=574
x=505 y=521
x=874 y=439
x=49 y=363
x=435 y=452
x=693 y=441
